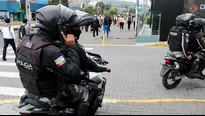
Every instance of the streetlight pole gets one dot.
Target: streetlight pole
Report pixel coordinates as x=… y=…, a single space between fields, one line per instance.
x=137 y=16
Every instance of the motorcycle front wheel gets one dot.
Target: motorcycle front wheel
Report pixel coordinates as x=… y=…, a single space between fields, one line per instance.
x=168 y=80
x=97 y=101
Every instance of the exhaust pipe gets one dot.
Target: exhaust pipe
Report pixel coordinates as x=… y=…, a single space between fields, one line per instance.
x=180 y=77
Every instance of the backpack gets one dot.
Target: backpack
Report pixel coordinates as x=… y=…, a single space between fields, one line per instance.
x=129 y=19
x=22 y=31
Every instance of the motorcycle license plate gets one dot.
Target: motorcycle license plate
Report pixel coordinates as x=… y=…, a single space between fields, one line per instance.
x=164 y=70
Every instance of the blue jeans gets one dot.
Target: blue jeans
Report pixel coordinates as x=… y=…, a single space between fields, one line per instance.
x=106 y=30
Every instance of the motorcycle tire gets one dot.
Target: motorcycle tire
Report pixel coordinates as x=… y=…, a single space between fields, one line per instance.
x=93 y=107
x=96 y=103
x=167 y=85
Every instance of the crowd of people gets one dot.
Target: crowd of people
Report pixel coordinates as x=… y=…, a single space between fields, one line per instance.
x=105 y=22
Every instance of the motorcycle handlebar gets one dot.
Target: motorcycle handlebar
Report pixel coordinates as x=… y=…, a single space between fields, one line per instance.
x=100 y=61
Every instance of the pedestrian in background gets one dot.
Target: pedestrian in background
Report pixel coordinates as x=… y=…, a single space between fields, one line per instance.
x=118 y=20
x=95 y=26
x=105 y=25
x=115 y=20
x=134 y=21
x=122 y=21
x=129 y=22
x=110 y=23
x=9 y=37
x=24 y=29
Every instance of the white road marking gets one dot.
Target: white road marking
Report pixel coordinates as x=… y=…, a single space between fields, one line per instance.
x=11 y=91
x=9 y=56
x=7 y=64
x=16 y=74
x=11 y=51
x=8 y=48
x=89 y=49
x=9 y=74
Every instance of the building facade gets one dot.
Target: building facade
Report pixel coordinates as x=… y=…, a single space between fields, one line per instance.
x=164 y=13
x=13 y=10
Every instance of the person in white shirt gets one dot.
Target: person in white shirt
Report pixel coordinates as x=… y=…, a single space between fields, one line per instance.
x=9 y=37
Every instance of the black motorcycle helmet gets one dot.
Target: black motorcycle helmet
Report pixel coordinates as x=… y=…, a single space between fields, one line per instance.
x=51 y=19
x=197 y=24
x=82 y=19
x=184 y=19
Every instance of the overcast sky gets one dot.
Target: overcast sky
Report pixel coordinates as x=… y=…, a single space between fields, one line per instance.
x=141 y=1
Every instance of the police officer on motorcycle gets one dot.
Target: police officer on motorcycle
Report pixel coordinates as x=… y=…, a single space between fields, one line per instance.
x=83 y=19
x=196 y=44
x=41 y=60
x=179 y=37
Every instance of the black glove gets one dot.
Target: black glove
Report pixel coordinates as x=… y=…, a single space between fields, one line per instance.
x=193 y=55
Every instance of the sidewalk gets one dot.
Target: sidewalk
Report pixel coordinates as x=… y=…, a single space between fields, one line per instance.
x=17 y=25
x=116 y=37
x=145 y=36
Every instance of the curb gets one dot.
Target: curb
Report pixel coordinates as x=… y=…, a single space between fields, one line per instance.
x=163 y=44
x=17 y=23
x=16 y=27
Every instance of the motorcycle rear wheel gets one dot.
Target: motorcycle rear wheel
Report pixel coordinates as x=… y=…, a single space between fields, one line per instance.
x=168 y=77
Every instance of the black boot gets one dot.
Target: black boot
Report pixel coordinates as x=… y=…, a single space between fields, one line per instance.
x=194 y=67
x=200 y=69
x=197 y=75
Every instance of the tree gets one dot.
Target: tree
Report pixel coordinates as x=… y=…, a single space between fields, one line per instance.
x=90 y=10
x=56 y=2
x=23 y=4
x=100 y=6
x=112 y=11
x=107 y=6
x=53 y=2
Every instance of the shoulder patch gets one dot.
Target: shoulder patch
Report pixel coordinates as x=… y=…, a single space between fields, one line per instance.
x=60 y=61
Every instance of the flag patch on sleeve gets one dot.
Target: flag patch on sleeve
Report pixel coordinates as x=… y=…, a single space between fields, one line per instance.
x=60 y=61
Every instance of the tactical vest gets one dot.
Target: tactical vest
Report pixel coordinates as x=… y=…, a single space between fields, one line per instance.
x=35 y=78
x=175 y=38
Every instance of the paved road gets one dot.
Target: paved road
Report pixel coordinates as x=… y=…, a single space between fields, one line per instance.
x=117 y=37
x=134 y=86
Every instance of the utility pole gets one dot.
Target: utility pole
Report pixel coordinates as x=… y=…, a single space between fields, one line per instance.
x=28 y=10
x=59 y=1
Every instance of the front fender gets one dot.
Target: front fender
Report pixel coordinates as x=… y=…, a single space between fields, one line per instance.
x=165 y=69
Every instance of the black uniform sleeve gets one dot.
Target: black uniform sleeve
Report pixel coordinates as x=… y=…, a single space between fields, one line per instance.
x=184 y=44
x=168 y=37
x=53 y=58
x=90 y=64
x=200 y=39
